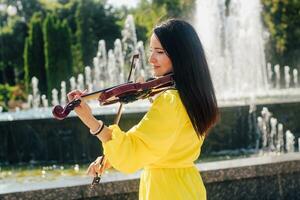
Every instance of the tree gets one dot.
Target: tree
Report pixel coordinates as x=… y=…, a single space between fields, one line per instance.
x=28 y=8
x=12 y=39
x=146 y=16
x=177 y=8
x=67 y=12
x=13 y=31
x=34 y=57
x=149 y=13
x=94 y=22
x=58 y=56
x=283 y=22
x=25 y=9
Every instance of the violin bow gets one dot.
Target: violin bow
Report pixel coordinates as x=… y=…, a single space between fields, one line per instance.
x=97 y=178
x=132 y=67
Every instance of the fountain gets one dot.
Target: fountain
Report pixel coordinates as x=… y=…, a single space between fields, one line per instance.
x=227 y=34
x=272 y=137
x=238 y=67
x=237 y=63
x=234 y=38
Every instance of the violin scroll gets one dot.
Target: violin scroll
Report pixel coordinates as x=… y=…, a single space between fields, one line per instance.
x=61 y=113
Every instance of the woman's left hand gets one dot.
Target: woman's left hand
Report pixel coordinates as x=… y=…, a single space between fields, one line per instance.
x=95 y=167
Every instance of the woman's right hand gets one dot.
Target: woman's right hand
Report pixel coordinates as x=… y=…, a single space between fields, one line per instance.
x=83 y=110
x=96 y=167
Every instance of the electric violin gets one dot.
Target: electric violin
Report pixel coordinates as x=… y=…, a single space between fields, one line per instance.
x=123 y=93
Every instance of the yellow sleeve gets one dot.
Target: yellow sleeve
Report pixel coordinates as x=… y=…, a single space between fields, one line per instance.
x=148 y=141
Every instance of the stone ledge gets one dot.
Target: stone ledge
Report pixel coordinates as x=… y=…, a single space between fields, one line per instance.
x=241 y=173
x=249 y=167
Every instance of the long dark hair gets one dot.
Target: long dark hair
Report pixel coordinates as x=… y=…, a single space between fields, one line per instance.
x=192 y=77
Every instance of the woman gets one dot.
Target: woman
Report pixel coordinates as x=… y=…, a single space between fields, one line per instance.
x=167 y=141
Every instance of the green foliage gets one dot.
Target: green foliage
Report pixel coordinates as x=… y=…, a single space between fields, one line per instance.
x=34 y=58
x=29 y=7
x=150 y=13
x=177 y=8
x=94 y=22
x=67 y=12
x=12 y=39
x=13 y=31
x=5 y=94
x=25 y=8
x=58 y=56
x=282 y=18
x=56 y=47
x=9 y=94
x=3 y=19
x=146 y=16
x=50 y=5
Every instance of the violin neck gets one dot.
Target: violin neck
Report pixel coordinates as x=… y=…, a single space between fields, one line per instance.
x=91 y=96
x=96 y=94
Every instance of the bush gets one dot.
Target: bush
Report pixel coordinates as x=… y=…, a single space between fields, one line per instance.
x=11 y=95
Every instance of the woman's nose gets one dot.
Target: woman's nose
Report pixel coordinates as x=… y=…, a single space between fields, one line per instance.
x=151 y=59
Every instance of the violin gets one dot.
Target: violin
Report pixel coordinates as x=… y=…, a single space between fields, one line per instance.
x=123 y=93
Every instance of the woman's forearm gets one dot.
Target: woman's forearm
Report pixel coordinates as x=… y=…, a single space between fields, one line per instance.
x=85 y=114
x=93 y=124
x=90 y=121
x=105 y=135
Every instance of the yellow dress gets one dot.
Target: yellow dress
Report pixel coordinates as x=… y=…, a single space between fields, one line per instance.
x=165 y=144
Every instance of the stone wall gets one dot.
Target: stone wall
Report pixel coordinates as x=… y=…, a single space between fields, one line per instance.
x=266 y=177
x=69 y=141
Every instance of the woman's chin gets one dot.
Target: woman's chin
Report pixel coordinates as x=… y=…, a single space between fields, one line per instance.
x=157 y=74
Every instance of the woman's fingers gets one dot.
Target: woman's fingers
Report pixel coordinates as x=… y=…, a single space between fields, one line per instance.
x=84 y=92
x=71 y=95
x=97 y=167
x=76 y=94
x=107 y=165
x=91 y=169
